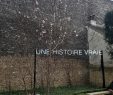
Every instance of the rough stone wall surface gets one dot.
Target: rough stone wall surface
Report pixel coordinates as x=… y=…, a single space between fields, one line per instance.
x=97 y=42
x=96 y=75
x=16 y=72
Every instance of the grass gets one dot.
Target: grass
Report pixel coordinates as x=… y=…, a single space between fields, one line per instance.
x=80 y=90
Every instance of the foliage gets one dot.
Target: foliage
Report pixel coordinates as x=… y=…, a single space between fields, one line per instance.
x=109 y=31
x=109 y=27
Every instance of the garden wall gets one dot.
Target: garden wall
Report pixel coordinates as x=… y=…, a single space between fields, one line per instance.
x=16 y=72
x=96 y=74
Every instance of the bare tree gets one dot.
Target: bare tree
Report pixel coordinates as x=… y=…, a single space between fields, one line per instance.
x=51 y=24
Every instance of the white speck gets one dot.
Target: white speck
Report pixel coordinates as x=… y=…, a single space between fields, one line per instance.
x=76 y=35
x=28 y=17
x=54 y=41
x=14 y=72
x=36 y=9
x=60 y=20
x=18 y=36
x=19 y=12
x=43 y=21
x=69 y=18
x=36 y=30
x=51 y=24
x=65 y=32
x=44 y=31
x=12 y=27
x=93 y=22
x=37 y=2
x=46 y=41
x=75 y=31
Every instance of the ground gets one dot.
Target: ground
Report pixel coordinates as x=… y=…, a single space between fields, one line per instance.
x=78 y=90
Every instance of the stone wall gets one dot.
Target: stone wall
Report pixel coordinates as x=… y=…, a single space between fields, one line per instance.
x=96 y=75
x=96 y=38
x=16 y=72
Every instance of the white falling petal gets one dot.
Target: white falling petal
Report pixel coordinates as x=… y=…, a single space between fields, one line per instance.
x=18 y=36
x=54 y=41
x=36 y=30
x=76 y=35
x=11 y=27
x=37 y=9
x=43 y=21
x=44 y=31
x=37 y=2
x=93 y=22
x=69 y=18
x=75 y=31
x=14 y=72
x=19 y=12
x=65 y=32
x=60 y=1
x=27 y=16
x=51 y=24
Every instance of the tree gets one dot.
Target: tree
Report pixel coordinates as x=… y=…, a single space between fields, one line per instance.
x=51 y=24
x=109 y=31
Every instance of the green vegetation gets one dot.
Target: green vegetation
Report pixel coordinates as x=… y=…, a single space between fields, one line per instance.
x=109 y=31
x=81 y=90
